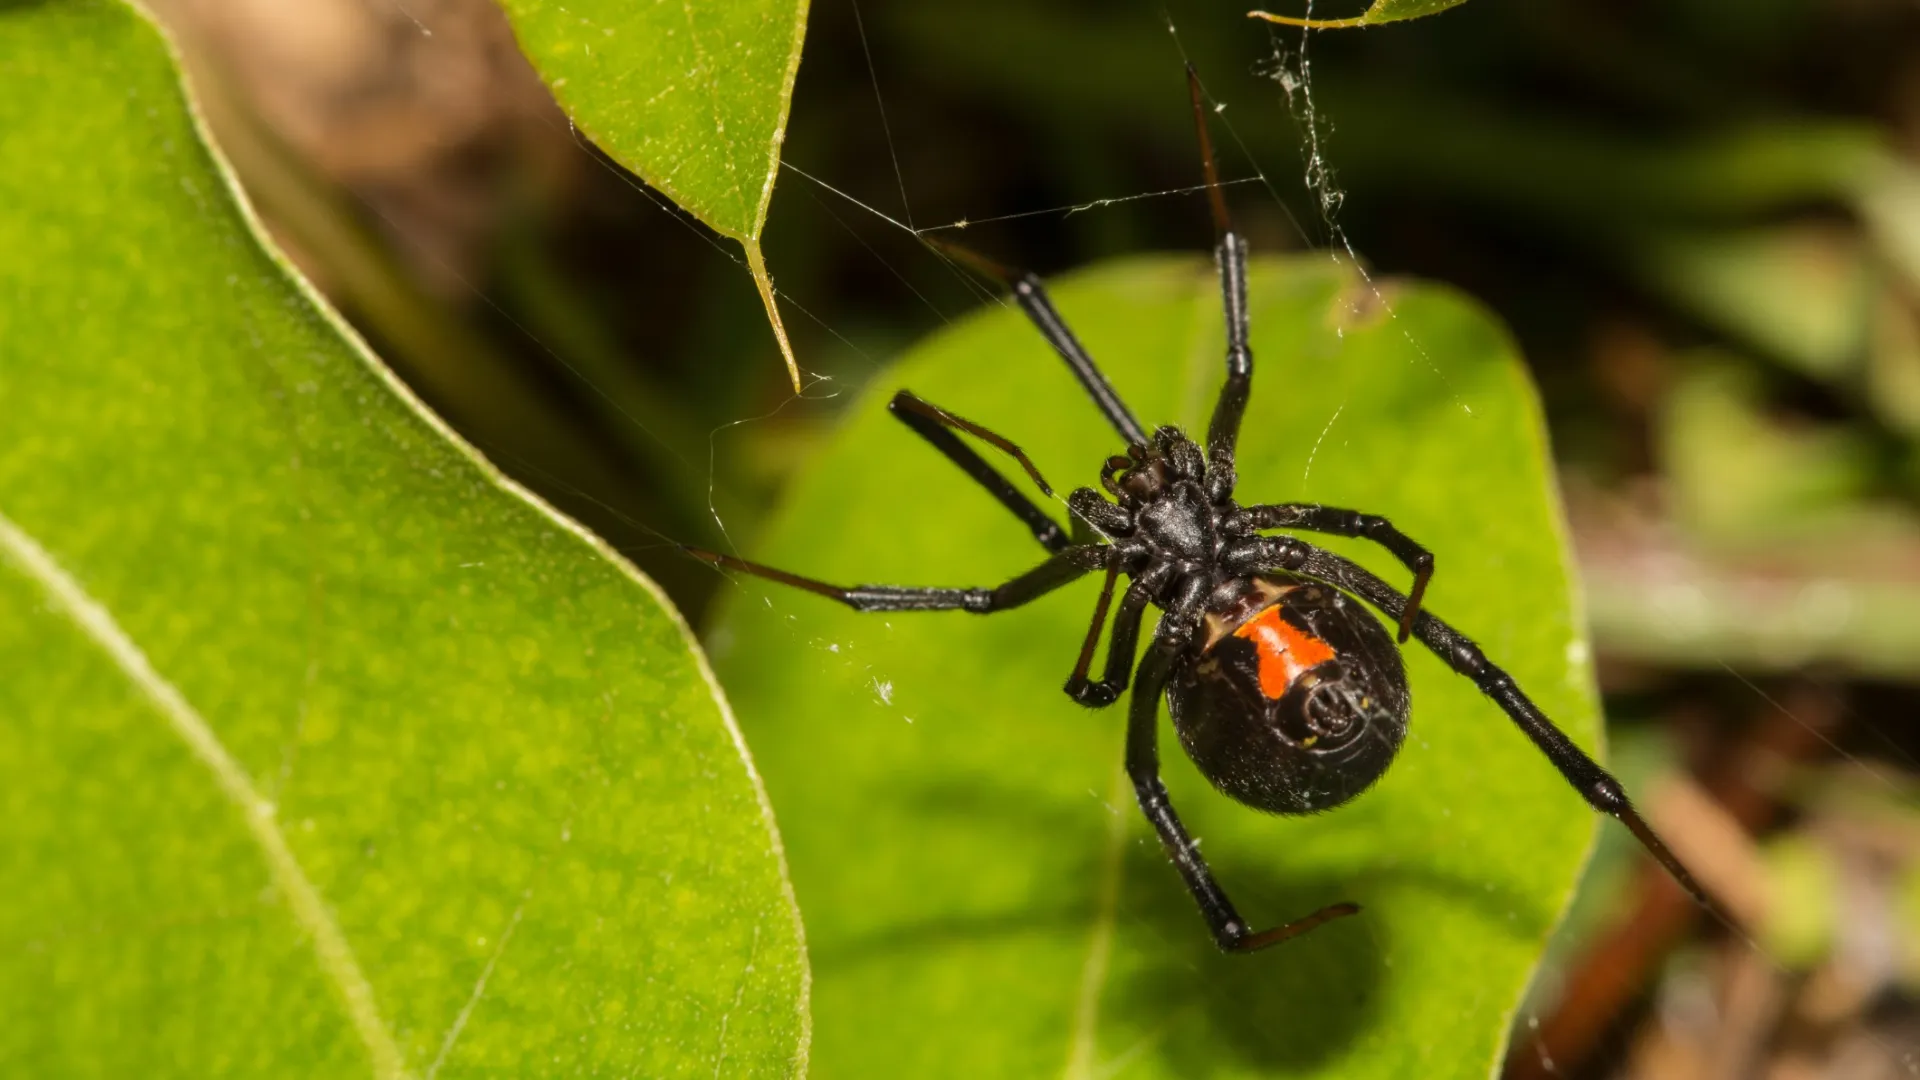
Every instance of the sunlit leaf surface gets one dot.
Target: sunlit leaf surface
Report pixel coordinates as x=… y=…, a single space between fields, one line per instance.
x=692 y=96
x=982 y=898
x=323 y=751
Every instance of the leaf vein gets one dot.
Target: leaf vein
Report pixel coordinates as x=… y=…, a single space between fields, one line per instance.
x=330 y=945
x=479 y=989
x=1083 y=1044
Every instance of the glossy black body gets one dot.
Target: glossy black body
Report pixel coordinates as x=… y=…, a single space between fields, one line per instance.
x=1328 y=738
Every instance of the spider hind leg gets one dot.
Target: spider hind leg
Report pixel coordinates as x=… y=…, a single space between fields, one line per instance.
x=1230 y=931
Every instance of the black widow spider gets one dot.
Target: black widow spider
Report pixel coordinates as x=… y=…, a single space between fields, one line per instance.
x=1288 y=695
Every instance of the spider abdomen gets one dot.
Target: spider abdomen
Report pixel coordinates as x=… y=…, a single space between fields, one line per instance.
x=1298 y=700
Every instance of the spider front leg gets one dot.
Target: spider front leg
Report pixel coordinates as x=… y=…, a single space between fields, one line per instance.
x=1061 y=568
x=1170 y=642
x=1230 y=252
x=1335 y=522
x=1030 y=294
x=937 y=426
x=1223 y=429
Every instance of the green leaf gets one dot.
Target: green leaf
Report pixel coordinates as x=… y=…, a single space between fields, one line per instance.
x=1380 y=11
x=324 y=749
x=982 y=898
x=692 y=97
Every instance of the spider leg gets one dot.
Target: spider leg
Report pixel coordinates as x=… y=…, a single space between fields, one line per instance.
x=1060 y=568
x=937 y=426
x=1143 y=768
x=1336 y=522
x=1031 y=296
x=1230 y=252
x=1077 y=682
x=1120 y=647
x=1595 y=784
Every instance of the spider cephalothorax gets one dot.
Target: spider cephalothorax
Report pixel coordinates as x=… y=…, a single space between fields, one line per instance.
x=1287 y=693
x=1162 y=512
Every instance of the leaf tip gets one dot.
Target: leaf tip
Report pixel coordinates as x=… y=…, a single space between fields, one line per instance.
x=762 y=280
x=765 y=283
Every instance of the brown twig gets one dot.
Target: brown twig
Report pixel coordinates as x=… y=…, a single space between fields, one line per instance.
x=1615 y=965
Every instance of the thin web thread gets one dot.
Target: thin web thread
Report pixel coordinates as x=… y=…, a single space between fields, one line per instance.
x=1297 y=86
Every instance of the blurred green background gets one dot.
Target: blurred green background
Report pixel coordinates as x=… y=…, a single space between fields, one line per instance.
x=1701 y=219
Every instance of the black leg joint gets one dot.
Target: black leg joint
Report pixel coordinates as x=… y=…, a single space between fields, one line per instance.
x=1092 y=694
x=1085 y=504
x=1606 y=795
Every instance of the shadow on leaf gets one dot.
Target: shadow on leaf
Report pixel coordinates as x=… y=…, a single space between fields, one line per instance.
x=1167 y=990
